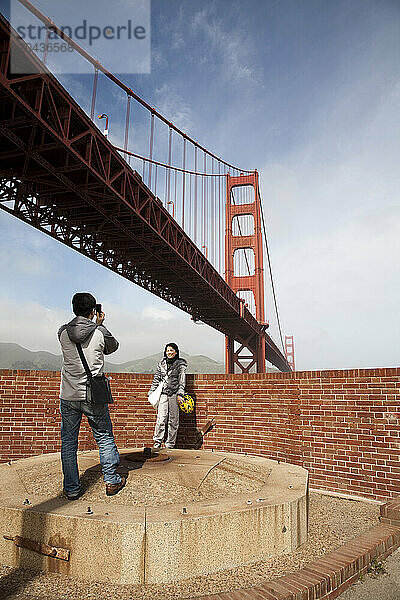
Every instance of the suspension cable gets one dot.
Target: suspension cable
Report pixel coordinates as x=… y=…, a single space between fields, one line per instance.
x=155 y=162
x=51 y=26
x=270 y=271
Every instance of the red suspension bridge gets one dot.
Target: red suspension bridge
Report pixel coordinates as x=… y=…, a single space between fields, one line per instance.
x=160 y=209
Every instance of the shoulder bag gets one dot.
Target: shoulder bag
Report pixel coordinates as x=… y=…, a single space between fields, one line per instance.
x=154 y=397
x=98 y=390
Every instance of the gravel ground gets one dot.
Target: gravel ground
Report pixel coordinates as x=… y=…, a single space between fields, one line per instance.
x=332 y=521
x=381 y=584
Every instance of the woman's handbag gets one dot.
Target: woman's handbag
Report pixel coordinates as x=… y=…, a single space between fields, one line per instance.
x=98 y=389
x=154 y=397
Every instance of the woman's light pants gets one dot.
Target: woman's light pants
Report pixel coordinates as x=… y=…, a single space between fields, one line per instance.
x=167 y=417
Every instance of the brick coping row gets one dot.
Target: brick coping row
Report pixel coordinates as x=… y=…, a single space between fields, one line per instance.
x=329 y=576
x=321 y=374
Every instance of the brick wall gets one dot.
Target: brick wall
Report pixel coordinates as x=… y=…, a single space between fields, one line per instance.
x=343 y=426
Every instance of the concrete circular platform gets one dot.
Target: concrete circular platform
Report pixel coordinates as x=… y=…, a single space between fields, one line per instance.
x=182 y=513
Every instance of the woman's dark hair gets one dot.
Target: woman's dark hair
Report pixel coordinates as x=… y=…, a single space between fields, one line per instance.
x=174 y=346
x=83 y=303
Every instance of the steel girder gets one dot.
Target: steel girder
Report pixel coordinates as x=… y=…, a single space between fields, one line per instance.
x=61 y=175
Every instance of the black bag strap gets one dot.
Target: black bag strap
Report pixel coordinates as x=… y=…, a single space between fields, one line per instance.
x=84 y=361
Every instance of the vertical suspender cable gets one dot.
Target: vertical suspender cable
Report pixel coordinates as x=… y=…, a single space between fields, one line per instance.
x=95 y=79
x=190 y=219
x=212 y=243
x=183 y=182
x=151 y=147
x=175 y=205
x=205 y=201
x=46 y=47
x=221 y=222
x=190 y=227
x=168 y=171
x=195 y=198
x=128 y=110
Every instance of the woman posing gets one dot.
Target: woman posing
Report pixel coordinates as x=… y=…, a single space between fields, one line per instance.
x=171 y=370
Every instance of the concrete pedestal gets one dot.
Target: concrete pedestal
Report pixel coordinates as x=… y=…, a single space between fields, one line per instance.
x=181 y=514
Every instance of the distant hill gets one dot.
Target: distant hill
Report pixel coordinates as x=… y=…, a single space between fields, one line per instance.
x=196 y=364
x=13 y=356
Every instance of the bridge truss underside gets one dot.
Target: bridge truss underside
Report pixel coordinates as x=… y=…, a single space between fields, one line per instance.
x=59 y=174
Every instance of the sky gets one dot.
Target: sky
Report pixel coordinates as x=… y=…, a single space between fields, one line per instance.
x=305 y=91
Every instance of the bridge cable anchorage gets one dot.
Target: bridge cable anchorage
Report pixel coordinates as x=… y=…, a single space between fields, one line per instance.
x=270 y=273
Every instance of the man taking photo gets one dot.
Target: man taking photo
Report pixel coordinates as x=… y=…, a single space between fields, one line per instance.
x=96 y=341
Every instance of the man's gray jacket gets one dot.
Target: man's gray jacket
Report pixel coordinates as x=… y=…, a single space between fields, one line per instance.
x=96 y=341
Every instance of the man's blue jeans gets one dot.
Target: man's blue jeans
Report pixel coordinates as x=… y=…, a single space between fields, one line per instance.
x=99 y=420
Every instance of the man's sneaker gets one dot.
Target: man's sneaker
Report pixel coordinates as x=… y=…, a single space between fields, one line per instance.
x=114 y=488
x=169 y=447
x=156 y=446
x=73 y=496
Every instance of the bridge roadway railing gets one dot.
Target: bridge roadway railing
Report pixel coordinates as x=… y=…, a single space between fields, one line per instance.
x=59 y=174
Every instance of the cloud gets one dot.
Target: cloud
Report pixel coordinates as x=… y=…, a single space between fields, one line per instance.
x=177 y=40
x=31 y=325
x=327 y=132
x=27 y=265
x=228 y=46
x=171 y=104
x=81 y=93
x=30 y=253
x=334 y=243
x=152 y=312
x=34 y=326
x=146 y=332
x=333 y=219
x=158 y=59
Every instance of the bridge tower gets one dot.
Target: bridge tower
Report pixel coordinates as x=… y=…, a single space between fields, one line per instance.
x=289 y=350
x=254 y=282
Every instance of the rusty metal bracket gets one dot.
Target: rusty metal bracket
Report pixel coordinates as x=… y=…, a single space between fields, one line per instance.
x=203 y=431
x=208 y=426
x=40 y=548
